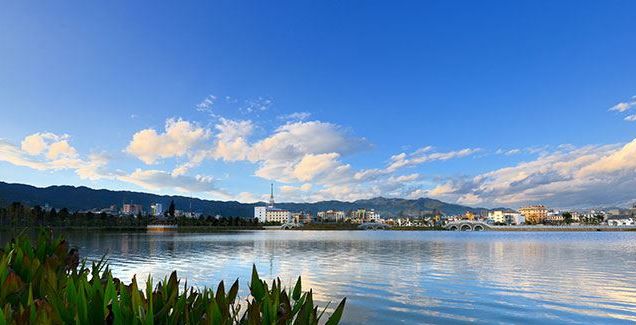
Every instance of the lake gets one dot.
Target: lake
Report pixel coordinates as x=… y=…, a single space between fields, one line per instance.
x=405 y=276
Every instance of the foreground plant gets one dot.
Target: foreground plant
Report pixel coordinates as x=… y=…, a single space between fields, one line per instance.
x=45 y=283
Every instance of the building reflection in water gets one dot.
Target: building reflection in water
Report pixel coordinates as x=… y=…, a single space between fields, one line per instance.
x=414 y=277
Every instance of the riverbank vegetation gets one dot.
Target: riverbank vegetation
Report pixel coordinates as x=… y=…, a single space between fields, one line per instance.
x=16 y=215
x=46 y=283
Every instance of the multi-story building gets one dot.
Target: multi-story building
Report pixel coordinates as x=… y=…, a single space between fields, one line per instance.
x=506 y=217
x=497 y=216
x=301 y=217
x=534 y=214
x=132 y=209
x=554 y=217
x=364 y=215
x=278 y=215
x=260 y=213
x=156 y=209
x=270 y=213
x=514 y=218
x=331 y=216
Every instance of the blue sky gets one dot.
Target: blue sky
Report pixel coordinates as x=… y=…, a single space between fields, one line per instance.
x=481 y=103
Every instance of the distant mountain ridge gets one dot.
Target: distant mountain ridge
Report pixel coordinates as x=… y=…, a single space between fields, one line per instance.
x=84 y=198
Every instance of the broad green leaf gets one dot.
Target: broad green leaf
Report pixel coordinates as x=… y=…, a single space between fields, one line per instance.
x=297 y=290
x=337 y=314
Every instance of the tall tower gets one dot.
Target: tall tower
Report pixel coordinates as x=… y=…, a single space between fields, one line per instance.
x=271 y=196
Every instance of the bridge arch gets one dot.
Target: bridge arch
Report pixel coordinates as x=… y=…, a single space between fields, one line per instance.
x=467 y=225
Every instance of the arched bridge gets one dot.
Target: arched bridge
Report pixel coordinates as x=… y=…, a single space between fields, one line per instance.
x=467 y=225
x=373 y=226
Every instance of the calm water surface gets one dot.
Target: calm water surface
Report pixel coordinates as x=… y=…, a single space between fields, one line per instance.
x=406 y=277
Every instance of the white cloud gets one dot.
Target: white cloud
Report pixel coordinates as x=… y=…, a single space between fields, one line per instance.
x=301 y=151
x=51 y=152
x=623 y=159
x=294 y=152
x=180 y=137
x=157 y=180
x=568 y=177
x=259 y=104
x=346 y=192
x=311 y=165
x=61 y=149
x=294 y=140
x=232 y=139
x=630 y=118
x=36 y=143
x=404 y=178
x=422 y=156
x=624 y=106
x=230 y=144
x=302 y=188
x=206 y=104
x=56 y=145
x=94 y=168
x=247 y=197
x=297 y=116
x=418 y=157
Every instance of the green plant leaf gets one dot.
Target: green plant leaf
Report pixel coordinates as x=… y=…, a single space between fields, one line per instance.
x=297 y=290
x=337 y=314
x=256 y=285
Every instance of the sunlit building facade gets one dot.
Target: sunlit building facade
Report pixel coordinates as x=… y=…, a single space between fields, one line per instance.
x=534 y=214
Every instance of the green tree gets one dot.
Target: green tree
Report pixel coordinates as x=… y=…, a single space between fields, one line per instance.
x=567 y=217
x=64 y=215
x=52 y=216
x=38 y=215
x=599 y=218
x=171 y=209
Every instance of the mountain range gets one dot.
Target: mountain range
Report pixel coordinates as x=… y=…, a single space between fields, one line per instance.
x=84 y=198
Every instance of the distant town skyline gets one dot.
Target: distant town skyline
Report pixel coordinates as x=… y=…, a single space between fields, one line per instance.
x=481 y=104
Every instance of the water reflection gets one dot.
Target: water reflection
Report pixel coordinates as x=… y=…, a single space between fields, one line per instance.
x=410 y=277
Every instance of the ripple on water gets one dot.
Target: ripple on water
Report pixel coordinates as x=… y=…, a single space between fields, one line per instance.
x=406 y=277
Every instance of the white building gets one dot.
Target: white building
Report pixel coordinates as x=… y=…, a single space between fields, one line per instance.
x=260 y=213
x=278 y=215
x=514 y=218
x=497 y=216
x=364 y=215
x=620 y=221
x=506 y=217
x=156 y=209
x=331 y=216
x=270 y=213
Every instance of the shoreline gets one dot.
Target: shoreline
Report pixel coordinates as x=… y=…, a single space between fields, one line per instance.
x=327 y=227
x=561 y=228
